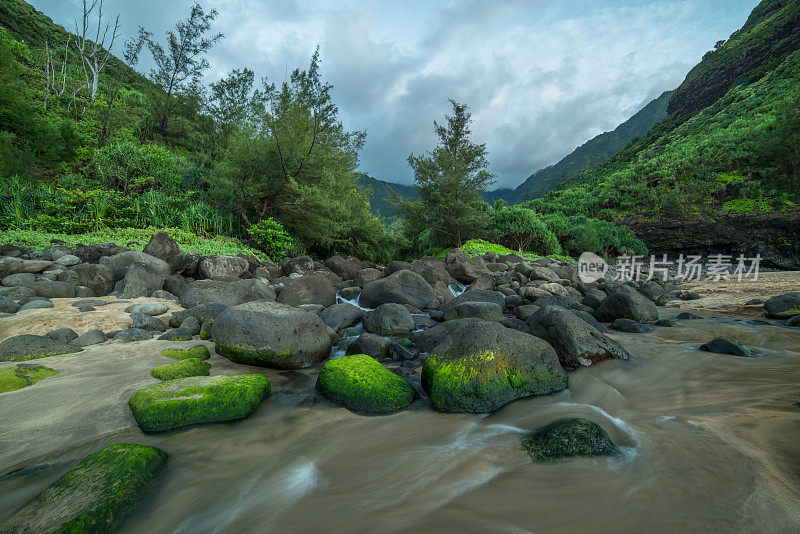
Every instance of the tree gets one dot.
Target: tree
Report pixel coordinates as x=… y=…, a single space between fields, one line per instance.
x=231 y=99
x=451 y=179
x=522 y=229
x=179 y=67
x=94 y=54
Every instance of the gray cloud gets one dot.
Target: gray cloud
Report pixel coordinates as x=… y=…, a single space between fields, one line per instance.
x=540 y=77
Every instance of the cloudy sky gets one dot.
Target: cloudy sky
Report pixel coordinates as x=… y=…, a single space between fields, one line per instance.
x=541 y=76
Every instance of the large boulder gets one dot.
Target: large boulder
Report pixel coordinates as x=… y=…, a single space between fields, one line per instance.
x=369 y=344
x=205 y=313
x=198 y=399
x=96 y=495
x=347 y=269
x=488 y=311
x=783 y=306
x=365 y=276
x=29 y=347
x=402 y=287
x=99 y=278
x=181 y=369
x=140 y=281
x=341 y=315
x=467 y=270
x=477 y=295
x=726 y=345
x=313 y=288
x=267 y=333
x=482 y=366
x=124 y=260
x=54 y=290
x=225 y=293
x=566 y=438
x=627 y=303
x=576 y=342
x=165 y=248
x=389 y=319
x=220 y=267
x=92 y=253
x=363 y=385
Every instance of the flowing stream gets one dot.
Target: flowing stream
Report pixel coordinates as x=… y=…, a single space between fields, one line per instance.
x=709 y=443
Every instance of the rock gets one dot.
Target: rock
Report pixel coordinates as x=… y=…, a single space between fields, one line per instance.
x=96 y=495
x=666 y=323
x=191 y=325
x=99 y=278
x=543 y=273
x=92 y=253
x=341 y=315
x=205 y=331
x=7 y=305
x=726 y=345
x=488 y=311
x=312 y=288
x=174 y=284
x=299 y=265
x=222 y=267
x=64 y=335
x=17 y=293
x=476 y=295
x=199 y=352
x=436 y=335
x=179 y=334
x=200 y=399
x=525 y=311
x=148 y=308
x=140 y=281
x=181 y=369
x=555 y=289
x=361 y=384
x=687 y=316
x=794 y=321
x=485 y=283
x=402 y=287
x=467 y=270
x=627 y=303
x=29 y=347
x=652 y=290
x=92 y=337
x=131 y=335
x=567 y=438
x=32 y=266
x=123 y=261
x=165 y=295
x=365 y=276
x=586 y=316
x=349 y=293
x=783 y=306
x=754 y=302
x=19 y=280
x=38 y=304
x=399 y=352
x=389 y=319
x=629 y=326
x=271 y=334
x=593 y=298
x=147 y=322
x=165 y=248
x=84 y=309
x=345 y=268
x=22 y=375
x=68 y=260
x=576 y=342
x=369 y=344
x=689 y=295
x=205 y=313
x=226 y=293
x=482 y=366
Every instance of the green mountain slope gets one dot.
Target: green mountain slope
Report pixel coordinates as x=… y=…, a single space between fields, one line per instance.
x=597 y=150
x=382 y=193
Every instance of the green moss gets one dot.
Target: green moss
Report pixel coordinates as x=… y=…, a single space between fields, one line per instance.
x=96 y=495
x=484 y=381
x=568 y=437
x=361 y=384
x=200 y=352
x=181 y=369
x=204 y=335
x=201 y=399
x=22 y=375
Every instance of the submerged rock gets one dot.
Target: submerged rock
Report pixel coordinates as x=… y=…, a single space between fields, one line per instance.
x=361 y=384
x=567 y=438
x=30 y=347
x=181 y=369
x=629 y=326
x=482 y=366
x=783 y=306
x=22 y=375
x=96 y=495
x=726 y=345
x=199 y=399
x=271 y=334
x=667 y=323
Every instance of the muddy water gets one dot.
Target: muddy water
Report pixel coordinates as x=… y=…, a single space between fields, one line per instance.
x=710 y=443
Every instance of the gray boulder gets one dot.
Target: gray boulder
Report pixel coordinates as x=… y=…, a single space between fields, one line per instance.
x=389 y=319
x=726 y=345
x=476 y=295
x=226 y=293
x=205 y=313
x=313 y=288
x=148 y=308
x=347 y=269
x=37 y=304
x=19 y=280
x=125 y=260
x=627 y=303
x=165 y=248
x=64 y=335
x=54 y=290
x=402 y=287
x=365 y=276
x=92 y=337
x=131 y=335
x=783 y=306
x=219 y=267
x=99 y=278
x=271 y=334
x=593 y=298
x=629 y=326
x=29 y=347
x=577 y=342
x=140 y=281
x=488 y=311
x=147 y=322
x=369 y=344
x=7 y=305
x=341 y=315
x=467 y=270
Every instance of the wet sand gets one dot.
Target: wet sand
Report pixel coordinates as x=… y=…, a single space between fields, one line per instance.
x=731 y=295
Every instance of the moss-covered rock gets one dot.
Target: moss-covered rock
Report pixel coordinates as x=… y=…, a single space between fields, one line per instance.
x=726 y=345
x=568 y=437
x=23 y=375
x=482 y=366
x=363 y=385
x=96 y=495
x=30 y=347
x=200 y=352
x=181 y=369
x=200 y=399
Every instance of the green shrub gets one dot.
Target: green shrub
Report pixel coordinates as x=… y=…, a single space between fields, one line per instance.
x=132 y=168
x=272 y=238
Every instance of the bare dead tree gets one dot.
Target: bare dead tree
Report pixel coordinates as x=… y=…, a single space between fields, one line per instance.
x=52 y=78
x=94 y=54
